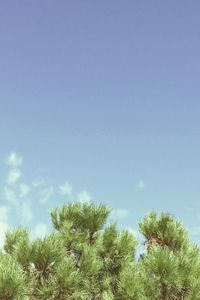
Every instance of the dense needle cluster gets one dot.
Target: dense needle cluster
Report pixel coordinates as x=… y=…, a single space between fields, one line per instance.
x=86 y=259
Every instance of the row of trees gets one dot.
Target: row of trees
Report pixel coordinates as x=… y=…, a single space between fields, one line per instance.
x=83 y=258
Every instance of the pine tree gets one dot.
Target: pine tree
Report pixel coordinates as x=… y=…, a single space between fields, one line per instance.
x=84 y=258
x=172 y=262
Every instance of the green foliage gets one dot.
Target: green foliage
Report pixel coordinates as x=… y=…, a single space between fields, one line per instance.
x=164 y=231
x=82 y=259
x=12 y=278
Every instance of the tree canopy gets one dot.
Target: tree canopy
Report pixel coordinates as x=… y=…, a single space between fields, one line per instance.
x=84 y=258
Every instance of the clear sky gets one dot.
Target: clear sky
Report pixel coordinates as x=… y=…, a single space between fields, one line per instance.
x=100 y=101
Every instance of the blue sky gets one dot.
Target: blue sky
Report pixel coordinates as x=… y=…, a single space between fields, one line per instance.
x=99 y=101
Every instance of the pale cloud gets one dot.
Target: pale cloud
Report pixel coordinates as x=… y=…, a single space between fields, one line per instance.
x=39 y=231
x=140 y=185
x=14 y=160
x=65 y=189
x=84 y=197
x=10 y=196
x=119 y=213
x=38 y=182
x=24 y=190
x=45 y=194
x=23 y=209
x=4 y=226
x=26 y=212
x=13 y=176
x=4 y=213
x=122 y=213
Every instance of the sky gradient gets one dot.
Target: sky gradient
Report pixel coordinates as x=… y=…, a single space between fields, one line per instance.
x=100 y=101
